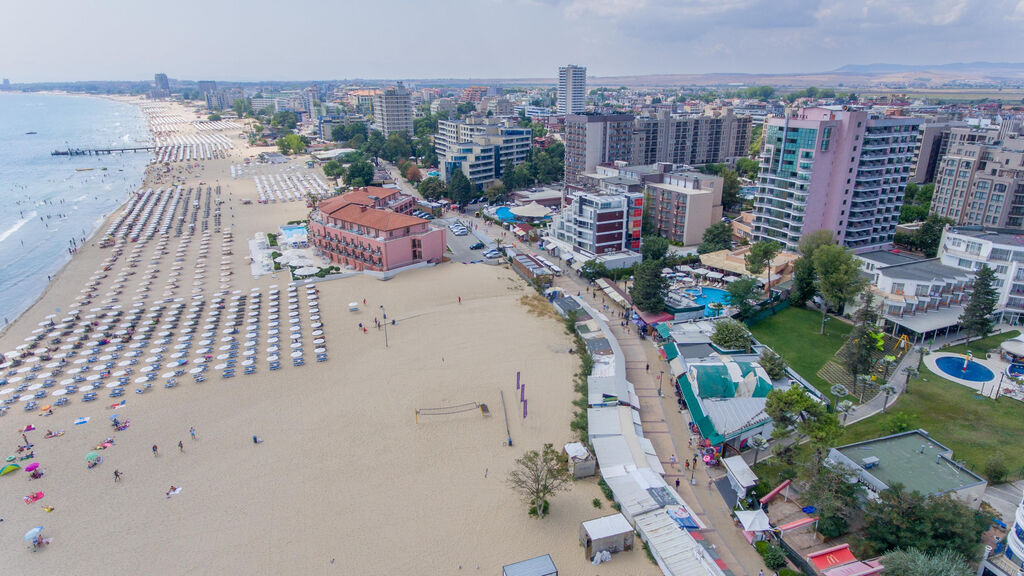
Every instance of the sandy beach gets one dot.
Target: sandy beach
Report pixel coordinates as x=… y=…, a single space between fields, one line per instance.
x=345 y=480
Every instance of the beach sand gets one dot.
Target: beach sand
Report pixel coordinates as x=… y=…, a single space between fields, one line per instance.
x=345 y=480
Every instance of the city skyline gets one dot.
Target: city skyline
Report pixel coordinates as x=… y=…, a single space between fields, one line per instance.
x=115 y=41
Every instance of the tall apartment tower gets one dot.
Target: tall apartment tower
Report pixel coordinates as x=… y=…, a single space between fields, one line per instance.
x=160 y=80
x=835 y=168
x=720 y=136
x=979 y=181
x=392 y=110
x=592 y=139
x=572 y=89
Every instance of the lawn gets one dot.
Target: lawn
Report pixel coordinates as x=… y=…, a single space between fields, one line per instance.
x=980 y=347
x=793 y=334
x=975 y=428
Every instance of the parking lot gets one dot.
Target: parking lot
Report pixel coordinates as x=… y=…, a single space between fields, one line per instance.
x=459 y=245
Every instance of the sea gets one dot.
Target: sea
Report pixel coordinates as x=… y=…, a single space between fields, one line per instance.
x=50 y=204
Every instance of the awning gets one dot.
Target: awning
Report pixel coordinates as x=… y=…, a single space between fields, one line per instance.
x=715 y=275
x=531 y=210
x=829 y=557
x=700 y=271
x=652 y=318
x=927 y=321
x=731 y=279
x=663 y=331
x=1014 y=346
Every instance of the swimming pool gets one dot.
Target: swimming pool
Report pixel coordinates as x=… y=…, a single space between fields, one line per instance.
x=293 y=233
x=953 y=366
x=707 y=296
x=504 y=214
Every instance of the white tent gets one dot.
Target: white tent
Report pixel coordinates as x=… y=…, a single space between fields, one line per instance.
x=531 y=210
x=1014 y=346
x=754 y=520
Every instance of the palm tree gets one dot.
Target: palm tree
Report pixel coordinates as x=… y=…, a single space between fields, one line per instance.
x=840 y=391
x=758 y=443
x=844 y=408
x=887 y=389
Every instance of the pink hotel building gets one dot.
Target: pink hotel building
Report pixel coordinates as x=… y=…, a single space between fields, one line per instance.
x=837 y=168
x=366 y=229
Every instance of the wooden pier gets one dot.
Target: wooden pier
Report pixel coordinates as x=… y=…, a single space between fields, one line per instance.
x=98 y=151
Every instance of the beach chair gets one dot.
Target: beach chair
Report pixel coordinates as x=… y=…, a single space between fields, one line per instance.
x=275 y=365
x=321 y=357
x=228 y=374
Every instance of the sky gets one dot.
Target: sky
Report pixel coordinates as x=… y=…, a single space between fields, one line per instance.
x=253 y=40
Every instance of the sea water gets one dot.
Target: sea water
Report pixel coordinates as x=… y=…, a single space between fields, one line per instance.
x=49 y=204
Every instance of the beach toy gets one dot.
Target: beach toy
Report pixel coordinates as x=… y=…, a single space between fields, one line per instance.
x=9 y=468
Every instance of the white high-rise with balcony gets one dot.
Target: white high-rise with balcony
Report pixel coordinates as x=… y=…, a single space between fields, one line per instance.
x=572 y=89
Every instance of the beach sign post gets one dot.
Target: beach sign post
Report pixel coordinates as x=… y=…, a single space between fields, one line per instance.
x=517 y=380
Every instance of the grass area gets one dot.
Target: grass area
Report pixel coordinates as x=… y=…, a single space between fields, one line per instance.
x=980 y=347
x=976 y=429
x=793 y=334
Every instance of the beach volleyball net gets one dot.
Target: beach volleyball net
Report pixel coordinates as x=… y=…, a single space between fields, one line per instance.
x=454 y=409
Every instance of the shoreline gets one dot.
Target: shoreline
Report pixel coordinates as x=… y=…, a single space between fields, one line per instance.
x=99 y=222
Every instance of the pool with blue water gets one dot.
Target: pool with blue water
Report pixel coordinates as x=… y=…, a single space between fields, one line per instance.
x=707 y=296
x=954 y=366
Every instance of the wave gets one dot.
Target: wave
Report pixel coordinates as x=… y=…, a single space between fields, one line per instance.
x=17 y=226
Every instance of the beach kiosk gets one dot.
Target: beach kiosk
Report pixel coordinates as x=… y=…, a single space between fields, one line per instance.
x=606 y=534
x=539 y=566
x=741 y=477
x=581 y=462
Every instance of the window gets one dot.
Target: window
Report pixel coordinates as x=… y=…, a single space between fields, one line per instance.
x=897 y=288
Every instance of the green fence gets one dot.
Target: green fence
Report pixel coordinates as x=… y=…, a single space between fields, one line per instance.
x=761 y=315
x=799 y=561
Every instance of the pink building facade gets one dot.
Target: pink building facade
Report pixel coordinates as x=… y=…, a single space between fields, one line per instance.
x=358 y=236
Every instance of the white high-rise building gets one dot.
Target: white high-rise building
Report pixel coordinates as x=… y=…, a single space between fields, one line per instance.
x=392 y=110
x=572 y=89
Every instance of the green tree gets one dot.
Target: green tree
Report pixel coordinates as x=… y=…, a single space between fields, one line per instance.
x=348 y=131
x=731 y=335
x=804 y=282
x=839 y=277
x=759 y=257
x=285 y=119
x=976 y=318
x=741 y=293
x=359 y=173
x=773 y=364
x=795 y=412
x=495 y=193
x=396 y=147
x=716 y=237
x=649 y=287
x=292 y=144
x=930 y=234
x=242 y=107
x=864 y=342
x=214 y=117
x=756 y=136
x=592 y=270
x=374 y=143
x=537 y=476
x=425 y=125
x=334 y=169
x=412 y=173
x=538 y=129
x=809 y=243
x=835 y=497
x=460 y=190
x=903 y=519
x=747 y=168
x=432 y=188
x=654 y=247
x=464 y=108
x=522 y=176
x=913 y=562
x=730 y=187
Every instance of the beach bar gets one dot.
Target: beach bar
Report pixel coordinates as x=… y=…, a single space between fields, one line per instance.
x=606 y=534
x=539 y=566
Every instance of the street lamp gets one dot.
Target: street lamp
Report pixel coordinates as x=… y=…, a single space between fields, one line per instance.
x=385 y=322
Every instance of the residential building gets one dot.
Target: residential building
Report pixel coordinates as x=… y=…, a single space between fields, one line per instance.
x=572 y=89
x=473 y=93
x=207 y=87
x=742 y=227
x=481 y=148
x=932 y=140
x=980 y=179
x=592 y=139
x=160 y=82
x=442 y=106
x=684 y=204
x=836 y=168
x=499 y=107
x=362 y=99
x=262 y=103
x=366 y=229
x=718 y=136
x=969 y=247
x=918 y=297
x=392 y=111
x=600 y=223
x=1007 y=560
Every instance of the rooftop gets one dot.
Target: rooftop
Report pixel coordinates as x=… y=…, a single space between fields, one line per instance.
x=889 y=257
x=376 y=219
x=994 y=235
x=924 y=271
x=914 y=460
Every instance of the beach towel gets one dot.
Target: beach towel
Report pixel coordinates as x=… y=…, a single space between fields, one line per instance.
x=33 y=498
x=118 y=405
x=175 y=491
x=81 y=420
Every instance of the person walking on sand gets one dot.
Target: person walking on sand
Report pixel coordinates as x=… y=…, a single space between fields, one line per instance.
x=192 y=432
x=181 y=447
x=117 y=475
x=460 y=299
x=156 y=451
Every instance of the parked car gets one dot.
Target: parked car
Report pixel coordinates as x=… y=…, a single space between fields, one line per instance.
x=477 y=246
x=492 y=254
